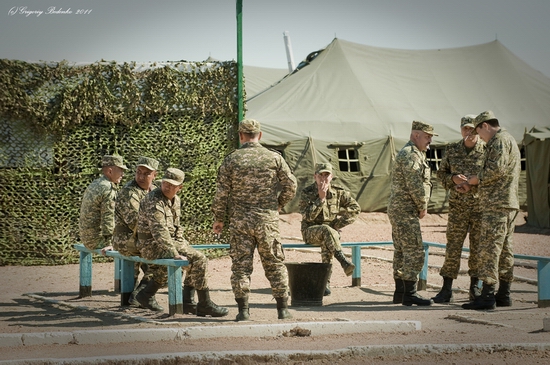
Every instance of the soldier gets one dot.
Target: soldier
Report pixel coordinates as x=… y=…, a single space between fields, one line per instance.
x=461 y=159
x=160 y=236
x=326 y=209
x=409 y=195
x=126 y=214
x=253 y=185
x=498 y=184
x=97 y=211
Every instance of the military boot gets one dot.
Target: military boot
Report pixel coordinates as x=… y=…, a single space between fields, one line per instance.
x=139 y=287
x=445 y=295
x=327 y=287
x=410 y=296
x=146 y=296
x=474 y=291
x=244 y=313
x=485 y=301
x=346 y=265
x=282 y=308
x=502 y=297
x=206 y=307
x=399 y=291
x=189 y=304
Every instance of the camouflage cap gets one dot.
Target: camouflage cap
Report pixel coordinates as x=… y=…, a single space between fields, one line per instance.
x=174 y=176
x=113 y=160
x=424 y=127
x=148 y=162
x=467 y=121
x=323 y=167
x=483 y=117
x=249 y=126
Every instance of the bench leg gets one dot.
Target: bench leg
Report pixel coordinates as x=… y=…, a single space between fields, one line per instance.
x=175 y=295
x=85 y=289
x=127 y=281
x=117 y=274
x=423 y=276
x=356 y=259
x=543 y=283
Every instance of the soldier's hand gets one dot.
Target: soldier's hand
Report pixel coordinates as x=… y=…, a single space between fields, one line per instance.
x=105 y=249
x=422 y=213
x=217 y=227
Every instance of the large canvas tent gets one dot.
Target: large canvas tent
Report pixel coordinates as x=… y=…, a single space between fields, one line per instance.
x=537 y=152
x=353 y=105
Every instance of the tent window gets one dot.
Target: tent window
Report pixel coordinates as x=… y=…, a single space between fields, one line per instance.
x=522 y=158
x=434 y=156
x=348 y=160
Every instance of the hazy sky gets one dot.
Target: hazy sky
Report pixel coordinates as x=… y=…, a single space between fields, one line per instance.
x=193 y=30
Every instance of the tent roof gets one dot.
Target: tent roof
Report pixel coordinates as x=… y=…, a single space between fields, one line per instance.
x=353 y=92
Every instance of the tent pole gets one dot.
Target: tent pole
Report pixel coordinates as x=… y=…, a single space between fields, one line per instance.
x=240 y=58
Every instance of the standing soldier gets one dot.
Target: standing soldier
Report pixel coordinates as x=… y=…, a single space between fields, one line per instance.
x=498 y=184
x=253 y=185
x=326 y=209
x=409 y=195
x=160 y=236
x=126 y=215
x=461 y=159
x=97 y=211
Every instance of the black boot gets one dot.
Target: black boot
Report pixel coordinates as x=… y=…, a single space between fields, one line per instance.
x=139 y=287
x=502 y=297
x=411 y=297
x=346 y=265
x=327 y=287
x=244 y=313
x=206 y=307
x=445 y=295
x=146 y=296
x=399 y=291
x=485 y=301
x=475 y=291
x=282 y=308
x=189 y=304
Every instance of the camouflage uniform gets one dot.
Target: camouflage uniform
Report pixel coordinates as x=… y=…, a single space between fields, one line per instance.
x=498 y=191
x=126 y=215
x=321 y=222
x=409 y=194
x=160 y=236
x=246 y=192
x=97 y=212
x=464 y=208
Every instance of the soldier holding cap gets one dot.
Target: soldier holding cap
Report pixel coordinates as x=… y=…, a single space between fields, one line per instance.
x=253 y=185
x=461 y=159
x=160 y=236
x=126 y=213
x=97 y=209
x=498 y=184
x=326 y=209
x=410 y=192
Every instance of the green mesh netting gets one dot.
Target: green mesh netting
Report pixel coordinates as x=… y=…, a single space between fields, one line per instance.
x=57 y=120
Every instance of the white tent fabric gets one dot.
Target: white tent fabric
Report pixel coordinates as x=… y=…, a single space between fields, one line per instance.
x=367 y=97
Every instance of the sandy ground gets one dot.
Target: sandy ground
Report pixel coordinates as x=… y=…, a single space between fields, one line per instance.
x=24 y=309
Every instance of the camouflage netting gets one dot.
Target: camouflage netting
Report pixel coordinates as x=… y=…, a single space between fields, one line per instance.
x=57 y=120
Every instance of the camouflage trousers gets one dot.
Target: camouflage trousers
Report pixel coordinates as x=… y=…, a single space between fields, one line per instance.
x=324 y=236
x=496 y=256
x=462 y=219
x=128 y=248
x=94 y=243
x=408 y=254
x=197 y=270
x=244 y=237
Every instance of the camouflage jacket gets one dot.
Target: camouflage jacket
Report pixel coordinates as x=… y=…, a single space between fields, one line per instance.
x=159 y=223
x=252 y=180
x=410 y=188
x=459 y=160
x=97 y=211
x=499 y=177
x=337 y=211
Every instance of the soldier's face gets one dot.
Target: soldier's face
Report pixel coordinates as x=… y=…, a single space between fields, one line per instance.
x=422 y=140
x=170 y=190
x=467 y=134
x=144 y=177
x=115 y=174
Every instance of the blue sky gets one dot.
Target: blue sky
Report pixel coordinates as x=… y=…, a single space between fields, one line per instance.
x=193 y=30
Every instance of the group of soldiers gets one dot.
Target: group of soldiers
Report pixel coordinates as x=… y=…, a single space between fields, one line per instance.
x=255 y=183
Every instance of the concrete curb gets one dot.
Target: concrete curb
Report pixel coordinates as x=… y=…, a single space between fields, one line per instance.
x=286 y=356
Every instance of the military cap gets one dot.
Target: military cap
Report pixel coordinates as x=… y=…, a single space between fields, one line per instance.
x=113 y=160
x=323 y=167
x=249 y=126
x=467 y=121
x=174 y=176
x=424 y=127
x=148 y=162
x=483 y=117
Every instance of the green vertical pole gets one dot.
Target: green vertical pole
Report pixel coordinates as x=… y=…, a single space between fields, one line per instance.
x=240 y=58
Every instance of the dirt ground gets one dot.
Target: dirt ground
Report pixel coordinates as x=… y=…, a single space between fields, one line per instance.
x=34 y=299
